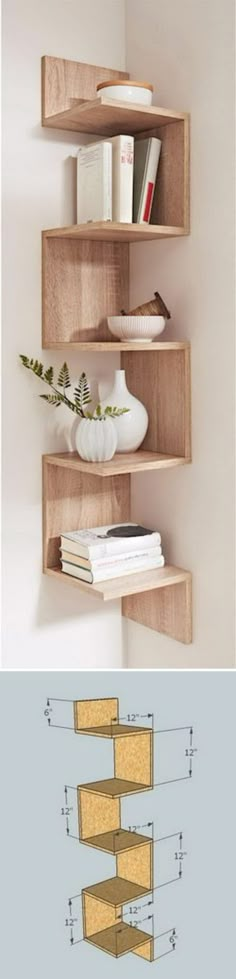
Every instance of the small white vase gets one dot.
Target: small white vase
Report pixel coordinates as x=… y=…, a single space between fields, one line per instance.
x=96 y=439
x=130 y=428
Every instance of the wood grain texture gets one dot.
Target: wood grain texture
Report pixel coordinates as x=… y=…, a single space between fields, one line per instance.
x=72 y=500
x=146 y=951
x=97 y=814
x=64 y=82
x=136 y=865
x=111 y=731
x=133 y=758
x=93 y=713
x=120 y=939
x=168 y=610
x=132 y=584
x=117 y=841
x=112 y=231
x=83 y=282
x=110 y=347
x=116 y=891
x=167 y=398
x=106 y=116
x=114 y=787
x=97 y=915
x=122 y=462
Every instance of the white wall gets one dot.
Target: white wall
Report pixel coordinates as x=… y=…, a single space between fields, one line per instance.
x=185 y=48
x=46 y=624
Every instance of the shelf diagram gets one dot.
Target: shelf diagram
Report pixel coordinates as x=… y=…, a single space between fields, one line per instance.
x=85 y=279
x=100 y=826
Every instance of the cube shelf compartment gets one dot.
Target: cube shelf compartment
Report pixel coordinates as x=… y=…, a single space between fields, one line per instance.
x=99 y=817
x=76 y=499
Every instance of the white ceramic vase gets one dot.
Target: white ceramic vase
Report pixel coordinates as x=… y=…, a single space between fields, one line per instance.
x=130 y=428
x=96 y=439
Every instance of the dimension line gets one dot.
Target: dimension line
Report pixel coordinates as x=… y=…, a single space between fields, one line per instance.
x=169 y=780
x=160 y=838
x=163 y=954
x=167 y=730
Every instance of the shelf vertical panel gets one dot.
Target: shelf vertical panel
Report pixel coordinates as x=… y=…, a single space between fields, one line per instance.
x=83 y=282
x=97 y=814
x=146 y=951
x=171 y=195
x=95 y=713
x=72 y=500
x=137 y=865
x=64 y=82
x=133 y=758
x=97 y=915
x=167 y=610
x=167 y=398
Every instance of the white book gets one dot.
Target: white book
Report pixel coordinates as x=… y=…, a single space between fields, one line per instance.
x=122 y=178
x=146 y=159
x=104 y=574
x=94 y=182
x=111 y=559
x=96 y=542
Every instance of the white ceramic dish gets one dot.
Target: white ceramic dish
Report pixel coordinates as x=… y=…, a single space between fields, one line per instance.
x=136 y=92
x=137 y=329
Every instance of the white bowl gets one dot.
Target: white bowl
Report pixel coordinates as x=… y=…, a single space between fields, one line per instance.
x=137 y=329
x=127 y=93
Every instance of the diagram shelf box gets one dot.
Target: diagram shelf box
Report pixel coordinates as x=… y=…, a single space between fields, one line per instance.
x=99 y=823
x=116 y=891
x=122 y=938
x=116 y=841
x=113 y=731
x=114 y=787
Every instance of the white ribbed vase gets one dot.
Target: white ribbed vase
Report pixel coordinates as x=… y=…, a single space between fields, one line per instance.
x=96 y=440
x=130 y=428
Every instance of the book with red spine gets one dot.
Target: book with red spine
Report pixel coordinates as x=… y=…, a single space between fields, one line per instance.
x=146 y=159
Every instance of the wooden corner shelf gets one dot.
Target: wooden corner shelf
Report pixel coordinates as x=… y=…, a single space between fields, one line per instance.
x=99 y=820
x=85 y=279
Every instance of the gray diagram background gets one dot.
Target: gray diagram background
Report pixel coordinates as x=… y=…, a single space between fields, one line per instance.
x=41 y=867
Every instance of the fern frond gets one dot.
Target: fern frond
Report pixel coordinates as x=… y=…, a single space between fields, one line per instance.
x=64 y=377
x=52 y=399
x=48 y=375
x=82 y=392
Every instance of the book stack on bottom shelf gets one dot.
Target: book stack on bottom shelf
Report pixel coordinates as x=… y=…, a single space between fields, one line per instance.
x=103 y=553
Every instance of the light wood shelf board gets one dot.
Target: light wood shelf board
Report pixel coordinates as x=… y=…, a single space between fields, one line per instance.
x=113 y=231
x=114 y=787
x=110 y=347
x=114 y=731
x=128 y=585
x=117 y=841
x=116 y=891
x=119 y=939
x=108 y=117
x=126 y=462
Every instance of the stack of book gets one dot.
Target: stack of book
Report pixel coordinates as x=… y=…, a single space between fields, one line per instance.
x=116 y=179
x=100 y=553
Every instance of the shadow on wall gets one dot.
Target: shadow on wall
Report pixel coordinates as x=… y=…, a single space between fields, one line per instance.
x=56 y=603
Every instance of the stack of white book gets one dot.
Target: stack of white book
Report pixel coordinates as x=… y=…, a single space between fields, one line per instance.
x=100 y=553
x=116 y=179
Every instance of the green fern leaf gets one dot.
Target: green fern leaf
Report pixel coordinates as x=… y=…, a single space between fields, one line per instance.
x=64 y=377
x=82 y=392
x=52 y=399
x=48 y=375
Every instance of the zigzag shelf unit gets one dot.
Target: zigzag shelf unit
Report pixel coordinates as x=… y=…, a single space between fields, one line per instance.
x=99 y=810
x=85 y=279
